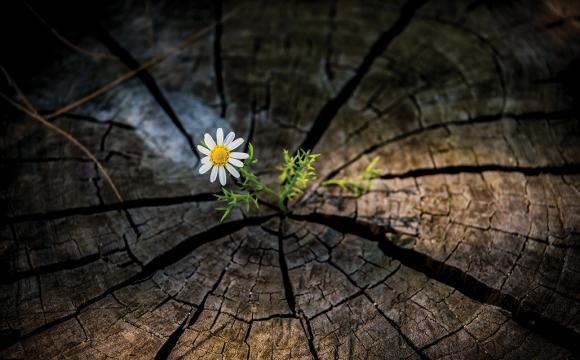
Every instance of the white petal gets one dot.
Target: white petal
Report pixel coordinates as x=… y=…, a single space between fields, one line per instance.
x=205 y=159
x=203 y=149
x=239 y=155
x=235 y=162
x=214 y=172
x=205 y=167
x=233 y=171
x=229 y=138
x=222 y=173
x=234 y=144
x=219 y=136
x=209 y=141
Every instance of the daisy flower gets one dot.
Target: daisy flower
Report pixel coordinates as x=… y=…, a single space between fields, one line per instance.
x=220 y=156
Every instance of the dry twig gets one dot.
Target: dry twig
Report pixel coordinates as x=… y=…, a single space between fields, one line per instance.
x=154 y=60
x=93 y=54
x=29 y=110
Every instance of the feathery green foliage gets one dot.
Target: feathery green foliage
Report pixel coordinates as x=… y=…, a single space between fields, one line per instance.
x=362 y=183
x=234 y=200
x=296 y=173
x=251 y=186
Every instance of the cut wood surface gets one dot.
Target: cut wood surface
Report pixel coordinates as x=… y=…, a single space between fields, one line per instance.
x=466 y=247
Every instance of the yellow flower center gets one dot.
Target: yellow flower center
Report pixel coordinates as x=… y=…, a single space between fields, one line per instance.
x=219 y=155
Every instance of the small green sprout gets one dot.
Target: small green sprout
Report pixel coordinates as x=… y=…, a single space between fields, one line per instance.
x=233 y=200
x=362 y=183
x=250 y=185
x=296 y=173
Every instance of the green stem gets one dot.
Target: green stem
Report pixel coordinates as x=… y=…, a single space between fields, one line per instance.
x=281 y=201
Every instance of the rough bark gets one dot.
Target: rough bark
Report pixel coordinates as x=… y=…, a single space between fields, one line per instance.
x=467 y=246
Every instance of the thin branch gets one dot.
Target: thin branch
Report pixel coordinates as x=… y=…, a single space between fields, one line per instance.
x=93 y=54
x=156 y=59
x=29 y=110
x=19 y=92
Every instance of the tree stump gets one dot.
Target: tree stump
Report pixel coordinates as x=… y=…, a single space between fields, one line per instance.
x=467 y=246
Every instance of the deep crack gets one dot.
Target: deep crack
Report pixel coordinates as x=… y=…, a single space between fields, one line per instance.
x=331 y=108
x=169 y=257
x=217 y=56
x=452 y=276
x=145 y=76
x=288 y=290
x=566 y=169
x=97 y=209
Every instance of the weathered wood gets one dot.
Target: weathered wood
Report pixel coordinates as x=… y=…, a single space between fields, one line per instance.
x=466 y=247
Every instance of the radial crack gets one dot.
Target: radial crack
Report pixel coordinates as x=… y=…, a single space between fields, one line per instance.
x=331 y=108
x=169 y=345
x=534 y=115
x=309 y=334
x=146 y=78
x=190 y=320
x=97 y=209
x=217 y=55
x=566 y=169
x=168 y=258
x=288 y=290
x=451 y=276
x=398 y=329
x=55 y=267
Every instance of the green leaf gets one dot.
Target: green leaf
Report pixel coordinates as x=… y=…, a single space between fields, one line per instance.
x=296 y=173
x=251 y=187
x=362 y=183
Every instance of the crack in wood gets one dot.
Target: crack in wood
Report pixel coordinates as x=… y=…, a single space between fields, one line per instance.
x=305 y=323
x=405 y=338
x=217 y=56
x=56 y=267
x=97 y=209
x=169 y=345
x=288 y=290
x=168 y=258
x=145 y=76
x=565 y=169
x=331 y=108
x=343 y=280
x=452 y=276
x=533 y=115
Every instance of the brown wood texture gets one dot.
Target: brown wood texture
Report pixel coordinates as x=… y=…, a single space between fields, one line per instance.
x=466 y=247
